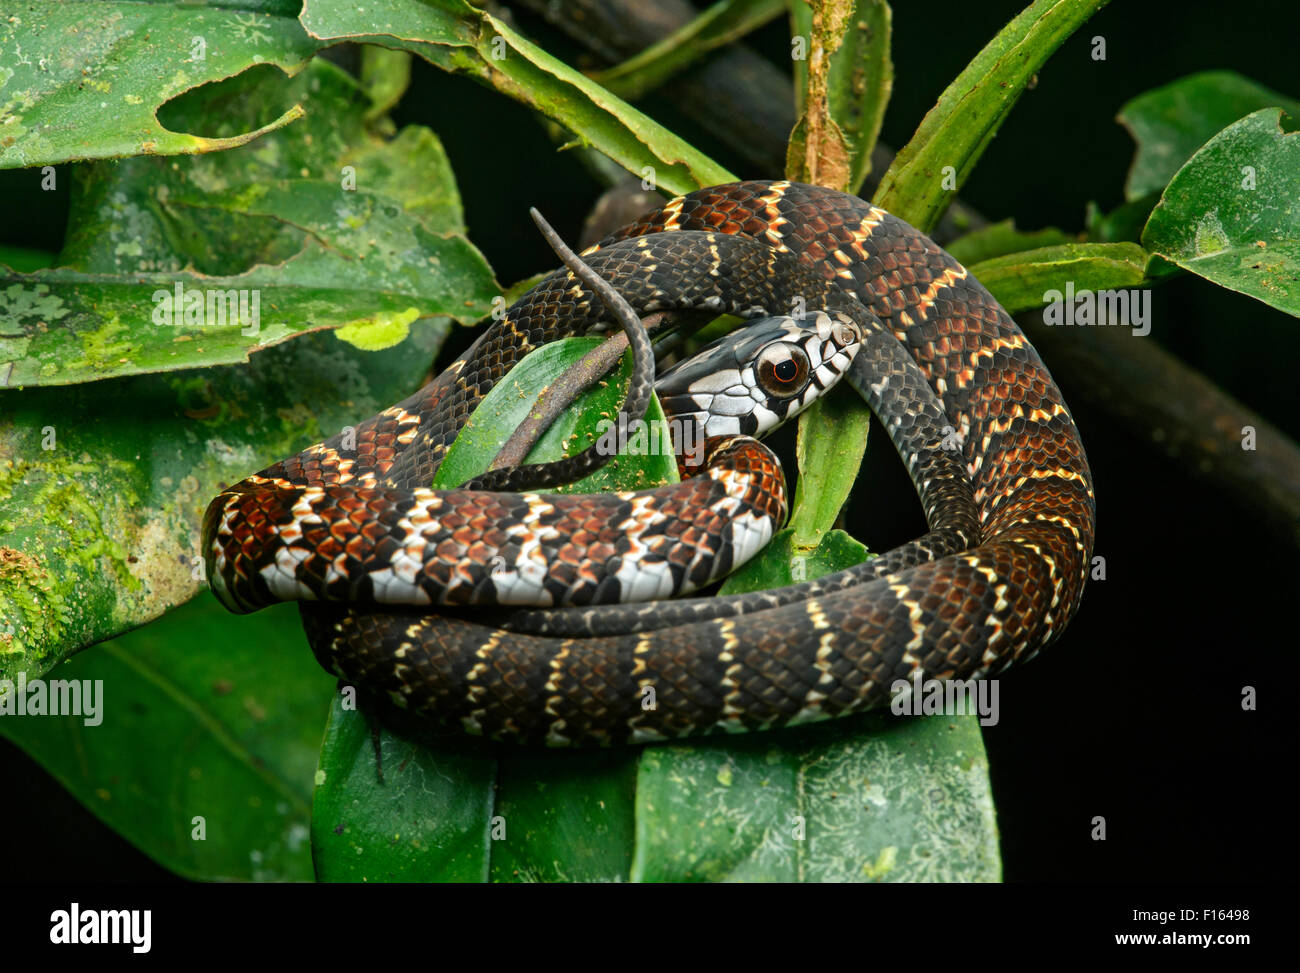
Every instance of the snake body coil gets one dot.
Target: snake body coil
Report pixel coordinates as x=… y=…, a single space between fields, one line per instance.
x=999 y=576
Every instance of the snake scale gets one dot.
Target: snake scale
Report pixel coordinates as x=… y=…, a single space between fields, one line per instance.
x=998 y=577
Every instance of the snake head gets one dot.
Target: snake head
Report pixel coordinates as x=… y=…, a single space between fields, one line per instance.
x=759 y=376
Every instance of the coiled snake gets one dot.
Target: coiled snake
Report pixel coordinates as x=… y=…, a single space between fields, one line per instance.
x=998 y=577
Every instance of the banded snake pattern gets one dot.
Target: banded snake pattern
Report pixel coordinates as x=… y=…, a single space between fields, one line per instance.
x=997 y=578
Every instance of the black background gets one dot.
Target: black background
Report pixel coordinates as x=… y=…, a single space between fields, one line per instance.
x=1135 y=715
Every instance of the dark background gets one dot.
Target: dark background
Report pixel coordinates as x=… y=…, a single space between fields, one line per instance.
x=1135 y=714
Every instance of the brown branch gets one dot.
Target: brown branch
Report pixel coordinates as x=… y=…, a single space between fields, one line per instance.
x=1179 y=411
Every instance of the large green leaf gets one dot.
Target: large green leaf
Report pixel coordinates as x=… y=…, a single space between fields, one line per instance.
x=570 y=817
x=102 y=485
x=867 y=799
x=84 y=79
x=456 y=37
x=1232 y=213
x=158 y=250
x=1171 y=122
x=202 y=716
x=935 y=163
x=429 y=819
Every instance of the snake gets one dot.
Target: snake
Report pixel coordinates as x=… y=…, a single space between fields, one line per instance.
x=983 y=430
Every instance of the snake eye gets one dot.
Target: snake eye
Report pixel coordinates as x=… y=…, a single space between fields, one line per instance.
x=782 y=369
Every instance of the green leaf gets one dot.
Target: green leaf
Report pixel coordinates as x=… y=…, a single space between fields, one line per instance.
x=832 y=441
x=569 y=817
x=721 y=24
x=385 y=75
x=1171 y=122
x=843 y=85
x=786 y=560
x=1232 y=213
x=121 y=220
x=102 y=486
x=1003 y=239
x=367 y=263
x=928 y=171
x=206 y=721
x=868 y=799
x=429 y=820
x=1020 y=281
x=84 y=79
x=557 y=816
x=513 y=398
x=276 y=254
x=459 y=38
